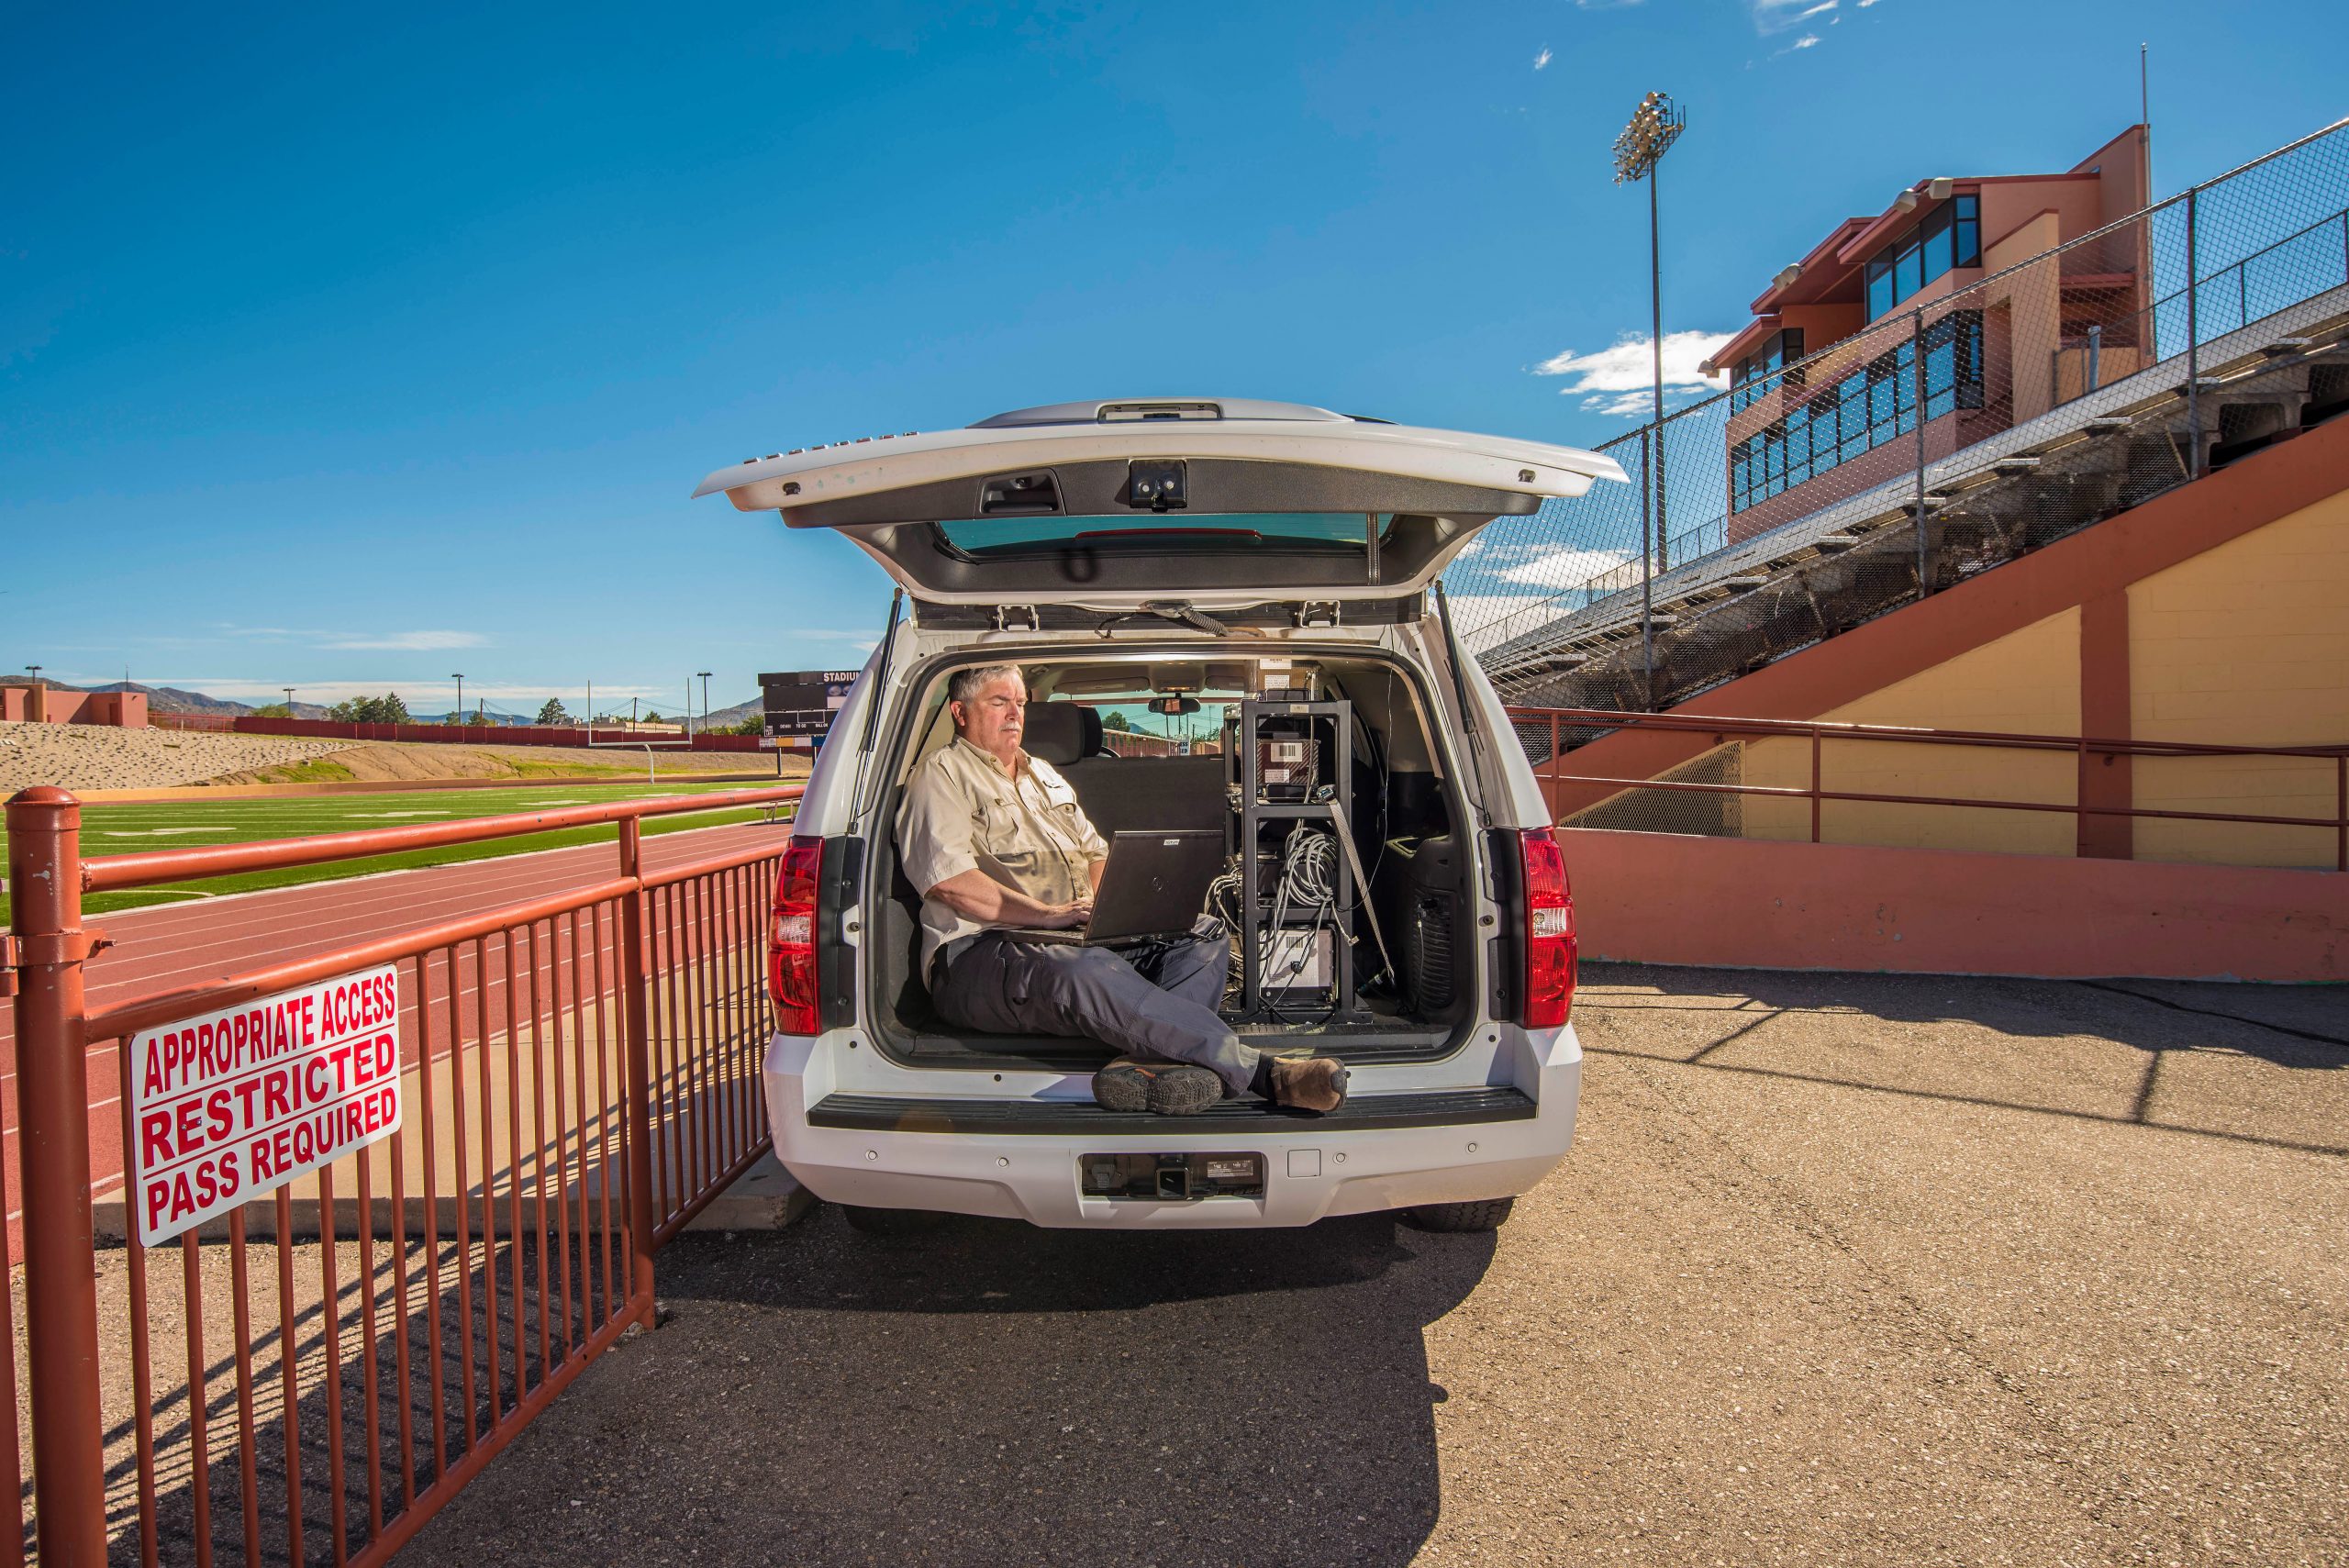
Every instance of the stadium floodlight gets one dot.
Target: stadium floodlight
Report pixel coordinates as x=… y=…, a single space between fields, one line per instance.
x=1655 y=125
x=289 y=698
x=460 y=697
x=703 y=675
x=36 y=670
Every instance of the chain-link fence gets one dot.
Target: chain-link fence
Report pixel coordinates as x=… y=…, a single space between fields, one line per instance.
x=2069 y=382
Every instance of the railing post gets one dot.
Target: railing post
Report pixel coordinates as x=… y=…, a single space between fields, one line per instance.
x=1555 y=760
x=639 y=1117
x=53 y=1138
x=2193 y=347
x=1815 y=785
x=2341 y=813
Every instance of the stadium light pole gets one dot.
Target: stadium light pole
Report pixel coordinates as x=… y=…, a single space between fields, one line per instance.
x=35 y=669
x=1655 y=125
x=704 y=676
x=289 y=700
x=460 y=695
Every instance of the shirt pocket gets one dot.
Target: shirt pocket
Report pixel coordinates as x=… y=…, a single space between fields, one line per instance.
x=996 y=831
x=1065 y=814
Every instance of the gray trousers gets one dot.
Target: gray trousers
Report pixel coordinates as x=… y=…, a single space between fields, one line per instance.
x=1156 y=1000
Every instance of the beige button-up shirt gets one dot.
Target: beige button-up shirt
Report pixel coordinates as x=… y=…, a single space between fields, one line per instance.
x=962 y=812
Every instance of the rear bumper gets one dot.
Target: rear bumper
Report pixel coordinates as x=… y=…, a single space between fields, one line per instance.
x=1017 y=1158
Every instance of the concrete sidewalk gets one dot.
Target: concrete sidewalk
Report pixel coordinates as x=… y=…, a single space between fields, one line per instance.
x=1843 y=1270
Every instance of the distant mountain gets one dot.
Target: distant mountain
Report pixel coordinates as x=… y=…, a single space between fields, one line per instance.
x=172 y=699
x=740 y=711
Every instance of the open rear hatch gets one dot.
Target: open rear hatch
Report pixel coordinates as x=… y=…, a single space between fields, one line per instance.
x=1219 y=502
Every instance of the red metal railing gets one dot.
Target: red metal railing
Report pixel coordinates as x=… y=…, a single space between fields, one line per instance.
x=1549 y=769
x=582 y=1075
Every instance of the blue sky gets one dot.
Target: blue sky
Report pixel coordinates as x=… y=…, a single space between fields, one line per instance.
x=346 y=349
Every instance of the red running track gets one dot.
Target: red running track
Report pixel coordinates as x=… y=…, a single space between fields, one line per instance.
x=205 y=939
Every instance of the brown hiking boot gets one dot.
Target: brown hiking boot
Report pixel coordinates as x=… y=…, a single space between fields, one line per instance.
x=1308 y=1083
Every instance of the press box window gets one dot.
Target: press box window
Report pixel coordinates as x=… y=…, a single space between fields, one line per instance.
x=1950 y=236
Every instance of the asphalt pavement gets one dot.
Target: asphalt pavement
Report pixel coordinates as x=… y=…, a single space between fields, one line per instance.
x=1843 y=1270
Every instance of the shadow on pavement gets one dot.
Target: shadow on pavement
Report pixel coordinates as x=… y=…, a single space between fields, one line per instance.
x=992 y=1392
x=2026 y=1045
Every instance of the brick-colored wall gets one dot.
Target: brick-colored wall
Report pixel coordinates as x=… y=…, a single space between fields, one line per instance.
x=2216 y=613
x=2246 y=644
x=2027 y=682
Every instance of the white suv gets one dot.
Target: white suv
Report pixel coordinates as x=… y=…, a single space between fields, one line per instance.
x=1228 y=615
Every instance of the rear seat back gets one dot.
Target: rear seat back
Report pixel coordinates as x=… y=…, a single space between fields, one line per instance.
x=1123 y=793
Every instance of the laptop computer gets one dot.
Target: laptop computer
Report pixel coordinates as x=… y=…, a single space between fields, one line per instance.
x=1155 y=886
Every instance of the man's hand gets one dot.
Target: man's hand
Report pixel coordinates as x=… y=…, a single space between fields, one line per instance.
x=1065 y=916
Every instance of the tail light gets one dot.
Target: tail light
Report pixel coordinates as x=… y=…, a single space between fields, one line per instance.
x=791 y=938
x=1549 y=925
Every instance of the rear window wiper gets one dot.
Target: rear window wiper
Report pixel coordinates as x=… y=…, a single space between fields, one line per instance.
x=1179 y=611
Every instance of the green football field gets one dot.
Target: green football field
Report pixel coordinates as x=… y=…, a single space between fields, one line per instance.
x=118 y=830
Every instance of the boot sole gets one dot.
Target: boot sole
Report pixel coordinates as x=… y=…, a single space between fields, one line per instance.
x=1171 y=1089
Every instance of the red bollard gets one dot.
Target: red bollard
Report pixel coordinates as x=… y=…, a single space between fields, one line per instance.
x=53 y=1136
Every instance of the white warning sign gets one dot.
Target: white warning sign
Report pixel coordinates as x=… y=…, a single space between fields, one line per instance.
x=234 y=1104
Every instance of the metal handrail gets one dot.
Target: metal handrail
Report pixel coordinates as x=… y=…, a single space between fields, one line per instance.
x=663 y=1080
x=146 y=868
x=1819 y=732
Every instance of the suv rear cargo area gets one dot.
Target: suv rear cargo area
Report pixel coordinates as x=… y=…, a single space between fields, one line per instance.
x=1368 y=957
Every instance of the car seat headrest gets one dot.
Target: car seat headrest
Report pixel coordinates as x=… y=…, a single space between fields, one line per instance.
x=1057 y=732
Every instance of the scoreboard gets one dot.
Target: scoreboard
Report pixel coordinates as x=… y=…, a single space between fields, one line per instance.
x=800 y=704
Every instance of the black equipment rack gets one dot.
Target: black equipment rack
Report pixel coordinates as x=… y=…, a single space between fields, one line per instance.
x=1255 y=811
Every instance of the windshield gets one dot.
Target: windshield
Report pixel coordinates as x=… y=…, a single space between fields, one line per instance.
x=1331 y=530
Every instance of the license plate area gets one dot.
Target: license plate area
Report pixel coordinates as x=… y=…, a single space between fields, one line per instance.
x=1159 y=1176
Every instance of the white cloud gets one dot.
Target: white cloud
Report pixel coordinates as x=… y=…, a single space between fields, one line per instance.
x=1866 y=4
x=410 y=642
x=1619 y=379
x=1807 y=40
x=1563 y=567
x=1821 y=9
x=1777 y=16
x=1542 y=59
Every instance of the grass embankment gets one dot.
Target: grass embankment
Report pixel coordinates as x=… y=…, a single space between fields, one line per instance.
x=115 y=829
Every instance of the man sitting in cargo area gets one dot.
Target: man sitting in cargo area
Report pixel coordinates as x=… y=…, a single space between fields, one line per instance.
x=994 y=838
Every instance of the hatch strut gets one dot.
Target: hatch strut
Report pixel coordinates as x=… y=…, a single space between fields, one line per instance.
x=873 y=701
x=1453 y=656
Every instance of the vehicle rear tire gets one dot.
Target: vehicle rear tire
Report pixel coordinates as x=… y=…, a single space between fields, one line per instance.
x=891 y=1222
x=1486 y=1213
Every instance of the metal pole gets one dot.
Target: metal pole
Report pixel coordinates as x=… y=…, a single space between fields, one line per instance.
x=1655 y=302
x=1815 y=784
x=1647 y=573
x=2193 y=349
x=1917 y=353
x=639 y=1116
x=53 y=1136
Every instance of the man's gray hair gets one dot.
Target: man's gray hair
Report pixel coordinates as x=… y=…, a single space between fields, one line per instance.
x=967 y=683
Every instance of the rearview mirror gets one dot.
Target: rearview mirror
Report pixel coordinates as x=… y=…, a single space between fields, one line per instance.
x=1175 y=705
